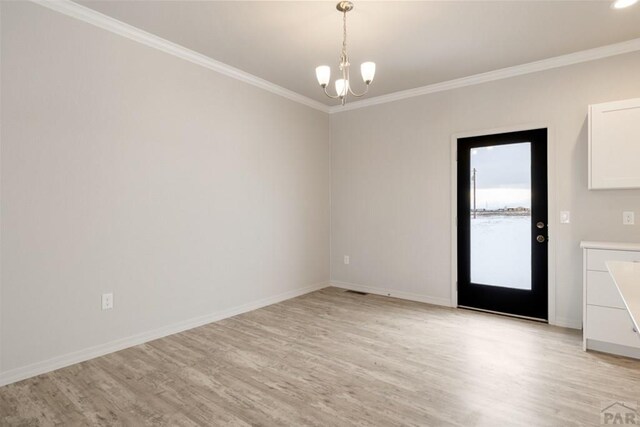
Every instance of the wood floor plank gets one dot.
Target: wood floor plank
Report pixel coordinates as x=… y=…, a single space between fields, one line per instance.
x=340 y=359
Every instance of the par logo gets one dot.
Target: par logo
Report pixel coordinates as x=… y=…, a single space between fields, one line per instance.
x=619 y=413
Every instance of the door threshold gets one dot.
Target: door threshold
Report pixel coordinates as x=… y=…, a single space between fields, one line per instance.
x=535 y=319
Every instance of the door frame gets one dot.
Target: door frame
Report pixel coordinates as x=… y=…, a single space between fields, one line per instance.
x=553 y=221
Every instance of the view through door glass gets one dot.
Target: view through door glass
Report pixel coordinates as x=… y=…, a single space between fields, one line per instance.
x=502 y=223
x=501 y=215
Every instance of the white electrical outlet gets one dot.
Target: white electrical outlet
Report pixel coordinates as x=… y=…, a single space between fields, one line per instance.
x=346 y=259
x=628 y=218
x=107 y=301
x=565 y=217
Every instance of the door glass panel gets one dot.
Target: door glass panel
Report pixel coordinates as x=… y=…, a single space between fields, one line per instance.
x=501 y=215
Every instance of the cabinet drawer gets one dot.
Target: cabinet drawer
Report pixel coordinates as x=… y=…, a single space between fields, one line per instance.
x=612 y=325
x=596 y=258
x=601 y=290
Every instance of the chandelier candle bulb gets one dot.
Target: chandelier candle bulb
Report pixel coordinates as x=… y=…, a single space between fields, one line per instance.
x=368 y=70
x=342 y=87
x=323 y=74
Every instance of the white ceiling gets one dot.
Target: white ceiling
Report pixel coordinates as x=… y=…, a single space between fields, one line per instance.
x=414 y=43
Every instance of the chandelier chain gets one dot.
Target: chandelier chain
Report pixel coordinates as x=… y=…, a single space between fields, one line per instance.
x=344 y=36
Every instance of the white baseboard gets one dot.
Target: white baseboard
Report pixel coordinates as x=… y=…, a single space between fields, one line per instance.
x=621 y=350
x=49 y=365
x=559 y=321
x=392 y=293
x=567 y=323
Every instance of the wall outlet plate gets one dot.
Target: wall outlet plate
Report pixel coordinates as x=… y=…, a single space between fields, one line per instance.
x=346 y=259
x=107 y=301
x=628 y=218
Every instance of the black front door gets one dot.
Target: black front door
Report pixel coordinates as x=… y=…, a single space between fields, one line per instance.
x=502 y=223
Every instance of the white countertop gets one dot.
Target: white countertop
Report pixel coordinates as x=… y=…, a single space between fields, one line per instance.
x=616 y=246
x=626 y=275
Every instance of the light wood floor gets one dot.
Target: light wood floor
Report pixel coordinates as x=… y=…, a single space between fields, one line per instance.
x=332 y=358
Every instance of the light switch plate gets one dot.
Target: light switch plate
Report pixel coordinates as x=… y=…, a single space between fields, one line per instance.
x=565 y=217
x=346 y=259
x=628 y=218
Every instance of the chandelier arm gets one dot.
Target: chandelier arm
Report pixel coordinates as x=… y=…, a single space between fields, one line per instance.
x=329 y=95
x=358 y=95
x=349 y=87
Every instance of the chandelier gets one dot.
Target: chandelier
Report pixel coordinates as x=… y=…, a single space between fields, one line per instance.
x=323 y=72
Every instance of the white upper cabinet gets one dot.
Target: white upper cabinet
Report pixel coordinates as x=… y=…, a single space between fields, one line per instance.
x=614 y=145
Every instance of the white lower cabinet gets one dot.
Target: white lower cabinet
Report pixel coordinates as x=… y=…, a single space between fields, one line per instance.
x=607 y=325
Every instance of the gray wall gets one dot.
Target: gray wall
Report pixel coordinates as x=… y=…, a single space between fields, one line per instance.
x=125 y=169
x=188 y=193
x=391 y=178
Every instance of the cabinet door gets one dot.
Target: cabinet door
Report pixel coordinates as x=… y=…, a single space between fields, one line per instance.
x=614 y=145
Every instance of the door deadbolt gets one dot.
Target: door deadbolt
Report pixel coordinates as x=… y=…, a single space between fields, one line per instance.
x=540 y=238
x=540 y=224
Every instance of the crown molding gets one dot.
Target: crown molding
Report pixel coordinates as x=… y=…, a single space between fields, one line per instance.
x=90 y=16
x=504 y=73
